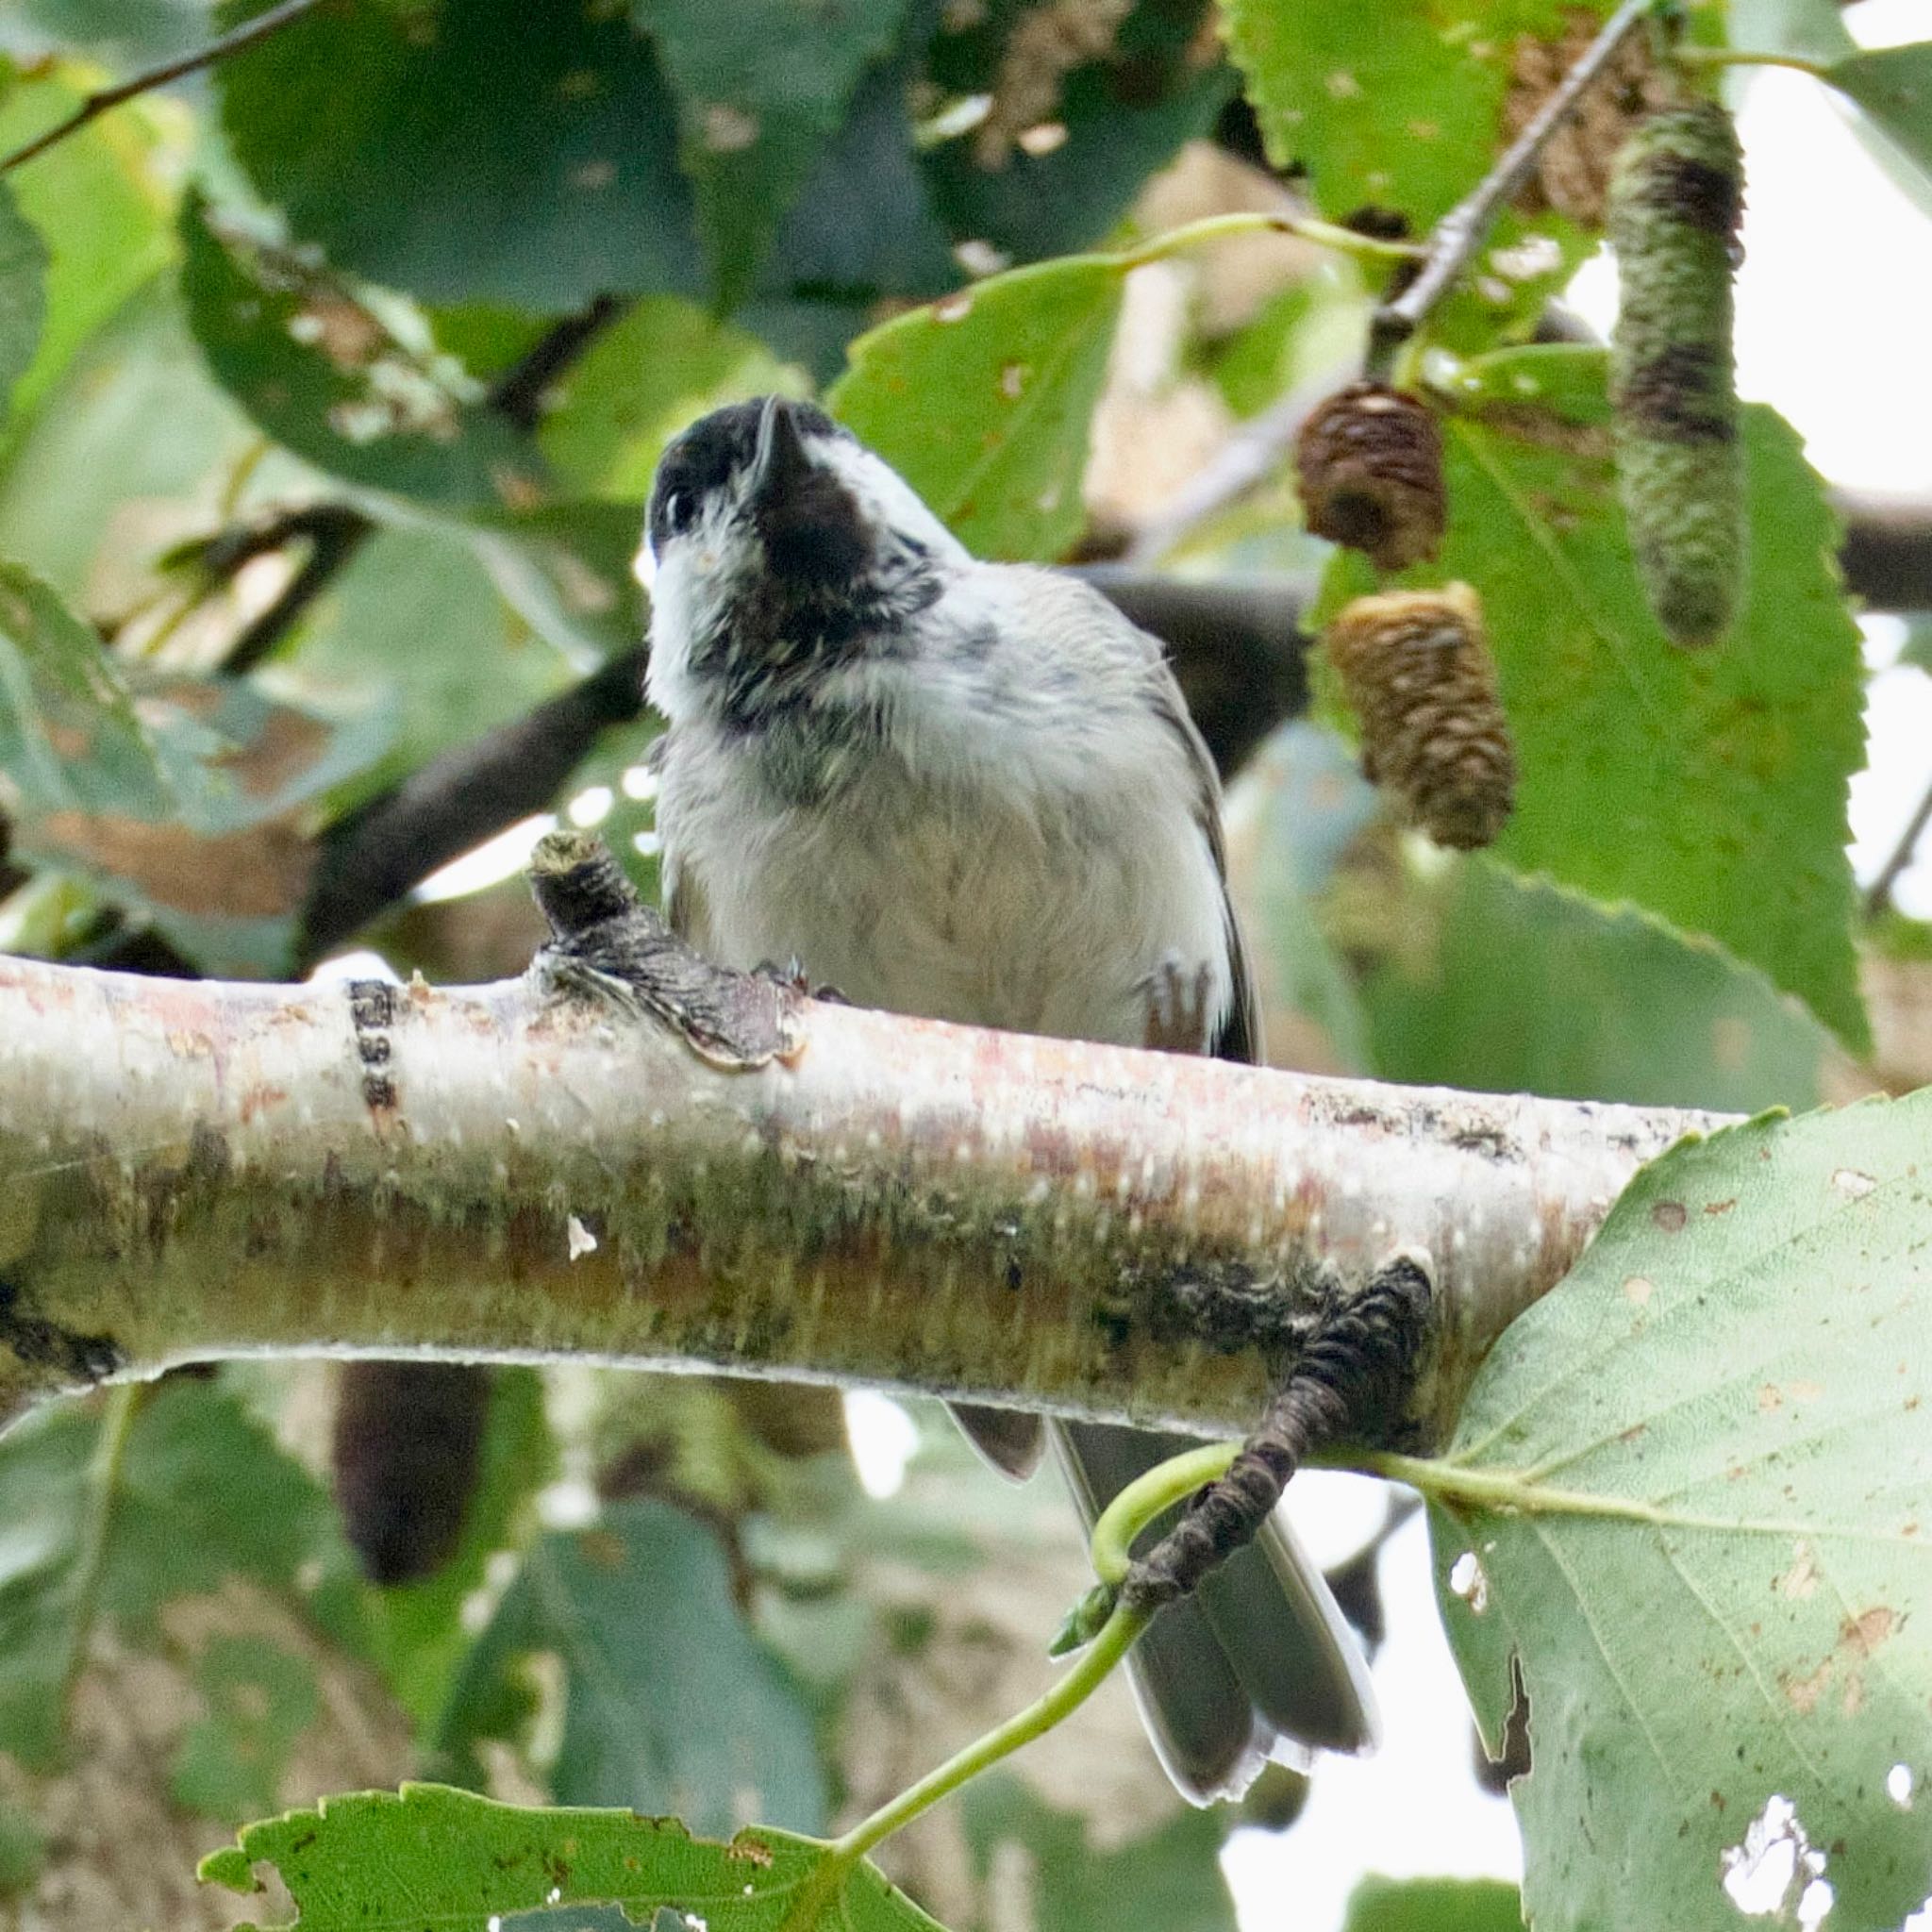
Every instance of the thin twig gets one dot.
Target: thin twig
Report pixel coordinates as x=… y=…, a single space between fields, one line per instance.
x=519 y=394
x=1461 y=232
x=335 y=531
x=1249 y=456
x=1879 y=896
x=97 y=104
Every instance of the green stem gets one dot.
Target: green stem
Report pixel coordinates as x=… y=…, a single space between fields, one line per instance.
x=1073 y=1690
x=123 y=1405
x=1123 y=1518
x=1146 y=1497
x=1739 y=56
x=1229 y=226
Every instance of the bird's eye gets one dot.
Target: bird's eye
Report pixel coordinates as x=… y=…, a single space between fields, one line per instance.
x=677 y=510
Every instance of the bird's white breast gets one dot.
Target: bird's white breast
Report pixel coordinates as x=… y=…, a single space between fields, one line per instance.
x=1038 y=895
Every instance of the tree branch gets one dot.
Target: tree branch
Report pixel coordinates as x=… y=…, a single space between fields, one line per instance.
x=192 y=1170
x=98 y=103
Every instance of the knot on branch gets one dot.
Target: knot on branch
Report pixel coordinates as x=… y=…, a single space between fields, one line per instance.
x=1350 y=1381
x=610 y=946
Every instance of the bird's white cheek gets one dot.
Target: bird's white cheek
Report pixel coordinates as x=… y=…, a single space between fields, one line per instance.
x=668 y=681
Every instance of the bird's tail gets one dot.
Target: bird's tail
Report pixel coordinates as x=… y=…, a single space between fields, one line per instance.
x=1258 y=1664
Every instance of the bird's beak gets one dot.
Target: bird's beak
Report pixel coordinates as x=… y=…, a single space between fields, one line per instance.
x=780 y=464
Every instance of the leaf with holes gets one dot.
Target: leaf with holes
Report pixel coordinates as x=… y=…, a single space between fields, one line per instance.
x=1082 y=107
x=1690 y=1500
x=320 y=371
x=983 y=401
x=427 y=1854
x=1706 y=787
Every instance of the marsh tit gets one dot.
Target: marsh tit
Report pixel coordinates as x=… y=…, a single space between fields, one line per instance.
x=972 y=791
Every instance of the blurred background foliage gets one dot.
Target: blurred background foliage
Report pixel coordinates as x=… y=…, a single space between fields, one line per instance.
x=332 y=379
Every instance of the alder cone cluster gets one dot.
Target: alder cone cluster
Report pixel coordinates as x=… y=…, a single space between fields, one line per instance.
x=1416 y=666
x=1369 y=466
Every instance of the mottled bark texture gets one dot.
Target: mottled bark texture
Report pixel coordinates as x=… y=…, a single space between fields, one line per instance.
x=531 y=1169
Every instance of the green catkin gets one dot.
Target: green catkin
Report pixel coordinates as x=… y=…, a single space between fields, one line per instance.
x=1675 y=199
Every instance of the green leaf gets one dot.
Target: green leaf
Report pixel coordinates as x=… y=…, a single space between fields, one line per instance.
x=565 y=570
x=663 y=363
x=1507 y=985
x=1917 y=648
x=427 y=1854
x=983 y=401
x=1708 y=788
x=1893 y=86
x=414 y=627
x=70 y=738
x=23 y=294
x=23 y=1850
x=761 y=86
x=1311 y=330
x=1301 y=805
x=668 y=1701
x=827 y=272
x=1433 y=1905
x=261 y=1698
x=1399 y=105
x=322 y=373
x=132 y=449
x=1812 y=29
x=416 y=1630
x=203 y=1494
x=123 y=34
x=1171 y=1875
x=1686 y=1496
x=386 y=132
x=99 y=218
x=174 y=793
x=238 y=758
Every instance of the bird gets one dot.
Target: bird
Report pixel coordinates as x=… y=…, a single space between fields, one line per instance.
x=970 y=791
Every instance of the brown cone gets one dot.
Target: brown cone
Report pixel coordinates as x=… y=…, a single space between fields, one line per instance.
x=1573 y=172
x=1417 y=668
x=1369 y=463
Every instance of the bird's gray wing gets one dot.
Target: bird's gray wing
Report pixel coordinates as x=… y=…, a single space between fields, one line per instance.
x=1260 y=1662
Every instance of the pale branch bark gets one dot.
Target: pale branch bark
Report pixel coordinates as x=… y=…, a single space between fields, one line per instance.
x=511 y=1173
